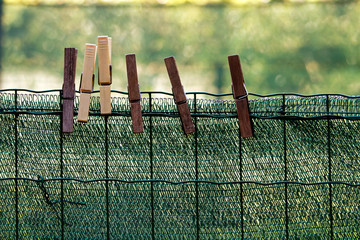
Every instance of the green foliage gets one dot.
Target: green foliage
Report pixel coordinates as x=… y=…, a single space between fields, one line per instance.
x=306 y=48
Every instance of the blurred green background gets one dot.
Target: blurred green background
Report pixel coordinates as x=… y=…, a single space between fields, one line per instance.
x=284 y=47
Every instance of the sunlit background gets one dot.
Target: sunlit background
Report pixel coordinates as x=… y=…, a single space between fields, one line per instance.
x=285 y=46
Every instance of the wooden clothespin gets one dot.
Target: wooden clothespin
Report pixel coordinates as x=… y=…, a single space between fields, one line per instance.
x=68 y=90
x=105 y=74
x=134 y=94
x=87 y=82
x=179 y=95
x=241 y=96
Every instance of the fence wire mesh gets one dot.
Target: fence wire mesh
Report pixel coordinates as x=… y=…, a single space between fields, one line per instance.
x=298 y=178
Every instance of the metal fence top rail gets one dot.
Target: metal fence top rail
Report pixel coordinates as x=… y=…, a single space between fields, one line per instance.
x=191 y=93
x=288 y=106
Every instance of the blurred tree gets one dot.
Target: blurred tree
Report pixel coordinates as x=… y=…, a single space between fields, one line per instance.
x=219 y=79
x=282 y=47
x=165 y=2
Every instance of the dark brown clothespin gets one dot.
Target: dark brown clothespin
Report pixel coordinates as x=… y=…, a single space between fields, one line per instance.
x=240 y=96
x=134 y=94
x=68 y=90
x=179 y=95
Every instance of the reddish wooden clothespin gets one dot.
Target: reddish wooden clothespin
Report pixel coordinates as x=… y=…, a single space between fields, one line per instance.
x=179 y=95
x=241 y=96
x=68 y=90
x=134 y=94
x=87 y=82
x=105 y=74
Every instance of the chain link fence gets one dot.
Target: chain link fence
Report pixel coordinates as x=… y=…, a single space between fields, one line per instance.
x=298 y=178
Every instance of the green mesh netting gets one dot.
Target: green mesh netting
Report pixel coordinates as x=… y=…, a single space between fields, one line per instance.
x=298 y=178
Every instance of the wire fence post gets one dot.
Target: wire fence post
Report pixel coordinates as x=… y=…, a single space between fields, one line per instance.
x=151 y=171
x=241 y=186
x=107 y=178
x=196 y=172
x=61 y=169
x=285 y=169
x=16 y=168
x=330 y=167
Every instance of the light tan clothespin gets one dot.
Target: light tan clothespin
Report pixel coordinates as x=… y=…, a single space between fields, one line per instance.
x=105 y=74
x=87 y=82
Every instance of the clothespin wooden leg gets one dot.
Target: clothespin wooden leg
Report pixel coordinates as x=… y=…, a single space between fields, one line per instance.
x=241 y=96
x=105 y=74
x=179 y=95
x=105 y=99
x=87 y=82
x=84 y=106
x=134 y=94
x=68 y=91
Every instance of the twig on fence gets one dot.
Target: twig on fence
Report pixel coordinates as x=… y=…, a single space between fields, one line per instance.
x=52 y=203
